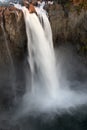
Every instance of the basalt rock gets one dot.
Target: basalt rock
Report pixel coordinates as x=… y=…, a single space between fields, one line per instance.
x=13 y=44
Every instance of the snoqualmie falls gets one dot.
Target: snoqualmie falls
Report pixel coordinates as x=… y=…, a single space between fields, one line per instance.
x=48 y=94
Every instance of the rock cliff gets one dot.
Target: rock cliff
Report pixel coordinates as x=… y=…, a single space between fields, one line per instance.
x=12 y=52
x=71 y=28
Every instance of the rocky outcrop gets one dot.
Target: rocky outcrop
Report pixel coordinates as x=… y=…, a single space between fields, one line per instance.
x=12 y=52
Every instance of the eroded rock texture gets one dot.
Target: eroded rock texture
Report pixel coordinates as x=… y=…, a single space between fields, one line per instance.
x=13 y=44
x=71 y=28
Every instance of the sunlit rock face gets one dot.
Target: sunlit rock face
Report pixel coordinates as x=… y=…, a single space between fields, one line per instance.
x=13 y=23
x=15 y=27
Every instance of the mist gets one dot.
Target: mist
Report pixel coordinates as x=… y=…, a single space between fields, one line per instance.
x=71 y=94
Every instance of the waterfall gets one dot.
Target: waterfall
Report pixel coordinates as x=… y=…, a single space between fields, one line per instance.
x=41 y=55
x=47 y=95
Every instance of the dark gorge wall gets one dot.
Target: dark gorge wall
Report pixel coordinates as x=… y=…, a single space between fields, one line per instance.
x=12 y=55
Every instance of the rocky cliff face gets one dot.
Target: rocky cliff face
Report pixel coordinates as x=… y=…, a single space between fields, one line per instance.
x=72 y=28
x=12 y=52
x=12 y=30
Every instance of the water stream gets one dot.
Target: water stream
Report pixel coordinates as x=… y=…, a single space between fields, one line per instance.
x=47 y=93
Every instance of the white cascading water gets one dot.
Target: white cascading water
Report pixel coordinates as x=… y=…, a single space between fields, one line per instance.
x=40 y=53
x=45 y=23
